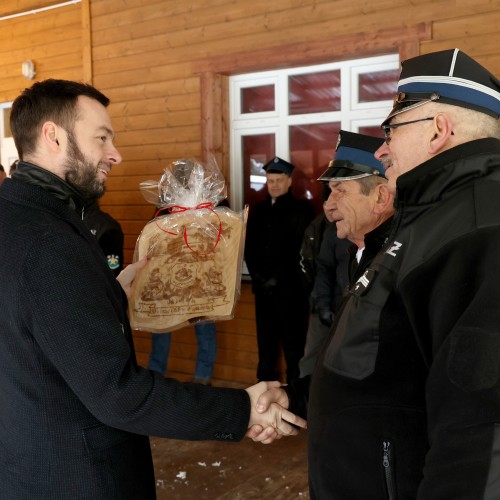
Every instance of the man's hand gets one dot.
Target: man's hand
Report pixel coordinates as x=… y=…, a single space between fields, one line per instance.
x=126 y=277
x=269 y=418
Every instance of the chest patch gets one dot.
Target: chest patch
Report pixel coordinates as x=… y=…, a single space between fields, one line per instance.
x=113 y=261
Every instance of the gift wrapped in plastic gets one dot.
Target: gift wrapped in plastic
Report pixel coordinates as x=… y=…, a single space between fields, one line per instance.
x=195 y=251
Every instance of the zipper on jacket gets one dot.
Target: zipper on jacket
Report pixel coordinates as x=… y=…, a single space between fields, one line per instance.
x=388 y=472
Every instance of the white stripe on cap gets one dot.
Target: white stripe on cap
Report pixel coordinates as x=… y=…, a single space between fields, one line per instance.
x=454 y=60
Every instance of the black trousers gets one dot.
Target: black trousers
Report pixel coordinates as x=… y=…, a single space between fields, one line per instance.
x=282 y=320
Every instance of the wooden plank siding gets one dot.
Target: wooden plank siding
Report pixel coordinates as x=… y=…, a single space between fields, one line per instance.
x=165 y=65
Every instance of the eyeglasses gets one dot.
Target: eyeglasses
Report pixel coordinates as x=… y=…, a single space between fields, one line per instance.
x=387 y=128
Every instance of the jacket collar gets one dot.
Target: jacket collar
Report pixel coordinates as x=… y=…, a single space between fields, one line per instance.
x=281 y=199
x=37 y=176
x=376 y=238
x=444 y=174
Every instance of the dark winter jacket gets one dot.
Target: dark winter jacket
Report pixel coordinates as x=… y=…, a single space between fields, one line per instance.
x=298 y=390
x=332 y=276
x=108 y=234
x=406 y=401
x=309 y=251
x=76 y=409
x=274 y=237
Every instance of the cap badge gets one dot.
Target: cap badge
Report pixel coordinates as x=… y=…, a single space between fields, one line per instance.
x=338 y=143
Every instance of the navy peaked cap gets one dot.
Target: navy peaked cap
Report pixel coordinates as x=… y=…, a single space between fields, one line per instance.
x=354 y=158
x=278 y=166
x=449 y=77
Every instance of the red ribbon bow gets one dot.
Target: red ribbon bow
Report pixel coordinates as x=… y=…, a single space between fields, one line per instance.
x=174 y=209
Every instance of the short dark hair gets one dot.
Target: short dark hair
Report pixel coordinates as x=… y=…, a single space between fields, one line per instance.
x=50 y=99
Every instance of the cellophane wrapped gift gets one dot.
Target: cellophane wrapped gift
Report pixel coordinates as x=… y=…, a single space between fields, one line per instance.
x=194 y=252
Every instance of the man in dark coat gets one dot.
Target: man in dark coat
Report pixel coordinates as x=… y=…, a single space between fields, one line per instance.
x=76 y=408
x=274 y=235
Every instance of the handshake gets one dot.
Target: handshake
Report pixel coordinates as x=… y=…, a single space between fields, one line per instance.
x=269 y=416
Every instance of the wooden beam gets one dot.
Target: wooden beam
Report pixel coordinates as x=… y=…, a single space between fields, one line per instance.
x=353 y=45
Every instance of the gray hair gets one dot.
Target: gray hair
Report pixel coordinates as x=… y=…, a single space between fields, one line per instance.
x=368 y=184
x=468 y=124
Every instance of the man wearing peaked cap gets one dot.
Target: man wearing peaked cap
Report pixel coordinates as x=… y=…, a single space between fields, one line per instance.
x=278 y=166
x=447 y=96
x=274 y=235
x=359 y=195
x=408 y=389
x=361 y=207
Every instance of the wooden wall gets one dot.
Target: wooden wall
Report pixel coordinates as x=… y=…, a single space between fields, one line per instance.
x=164 y=64
x=53 y=39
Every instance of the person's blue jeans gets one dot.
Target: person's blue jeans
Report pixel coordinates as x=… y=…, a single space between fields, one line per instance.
x=206 y=337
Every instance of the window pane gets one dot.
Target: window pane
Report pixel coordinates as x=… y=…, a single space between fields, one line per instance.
x=314 y=92
x=312 y=148
x=257 y=151
x=374 y=131
x=257 y=99
x=378 y=86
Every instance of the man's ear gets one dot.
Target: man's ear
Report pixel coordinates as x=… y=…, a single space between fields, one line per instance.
x=384 y=198
x=51 y=135
x=443 y=129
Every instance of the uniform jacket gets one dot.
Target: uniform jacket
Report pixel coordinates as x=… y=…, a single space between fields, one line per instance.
x=76 y=408
x=298 y=390
x=311 y=244
x=406 y=400
x=273 y=240
x=108 y=234
x=332 y=277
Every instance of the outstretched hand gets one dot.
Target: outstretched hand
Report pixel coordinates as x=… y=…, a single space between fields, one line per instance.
x=269 y=417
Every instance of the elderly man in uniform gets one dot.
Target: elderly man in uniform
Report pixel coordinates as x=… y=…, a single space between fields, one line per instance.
x=355 y=171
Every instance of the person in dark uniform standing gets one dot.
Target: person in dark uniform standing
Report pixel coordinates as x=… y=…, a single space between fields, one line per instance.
x=275 y=231
x=108 y=233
